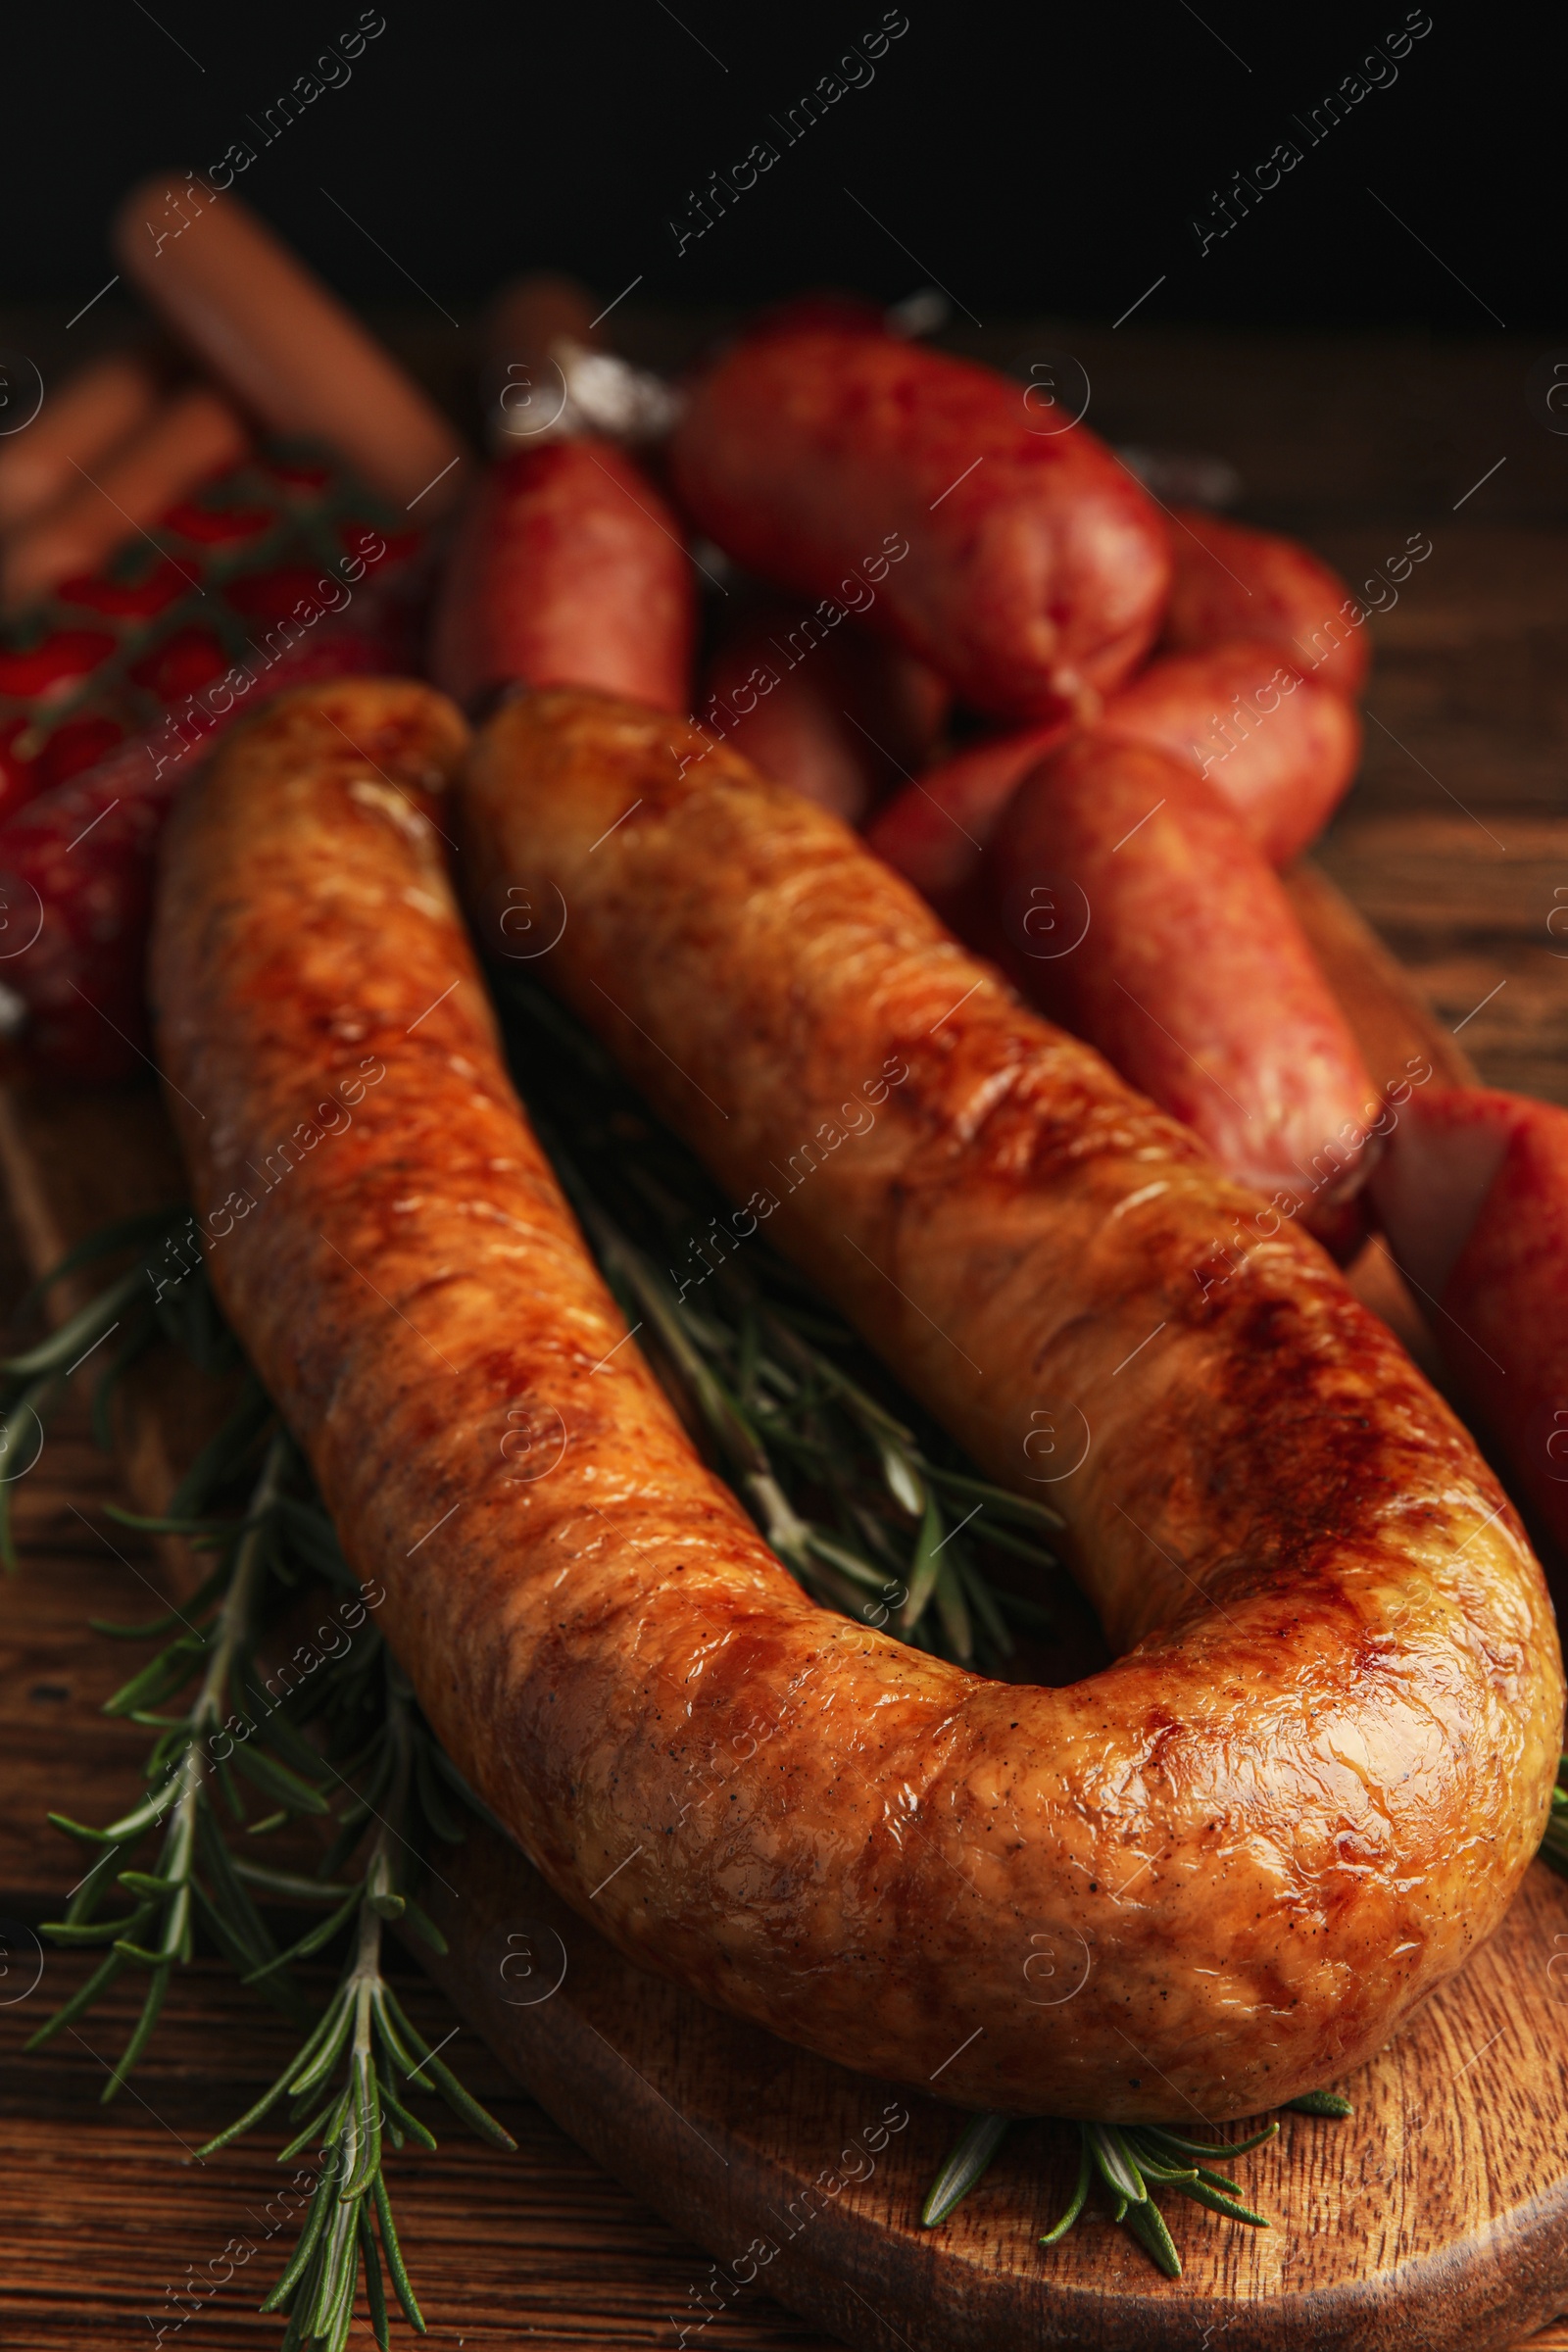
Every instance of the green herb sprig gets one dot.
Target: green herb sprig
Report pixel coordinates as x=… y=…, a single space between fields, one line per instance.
x=343 y=1747
x=1130 y=2161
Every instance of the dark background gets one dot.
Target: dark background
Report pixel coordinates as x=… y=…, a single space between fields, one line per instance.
x=1033 y=161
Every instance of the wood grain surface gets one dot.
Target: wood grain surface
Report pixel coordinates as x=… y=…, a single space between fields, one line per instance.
x=1452 y=844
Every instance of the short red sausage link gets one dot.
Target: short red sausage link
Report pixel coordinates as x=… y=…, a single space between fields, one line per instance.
x=1027 y=566
x=1127 y=902
x=1232 y=582
x=1281 y=748
x=570 y=569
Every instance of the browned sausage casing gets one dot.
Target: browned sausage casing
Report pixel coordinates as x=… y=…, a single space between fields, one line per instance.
x=1219 y=1872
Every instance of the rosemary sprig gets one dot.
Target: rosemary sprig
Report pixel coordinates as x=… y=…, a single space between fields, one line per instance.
x=347 y=2078
x=193 y=1871
x=1130 y=2161
x=347 y=1728
x=140 y=1305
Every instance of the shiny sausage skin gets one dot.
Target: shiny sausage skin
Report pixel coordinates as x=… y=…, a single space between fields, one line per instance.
x=1282 y=749
x=1247 y=1848
x=1473 y=1193
x=837 y=717
x=1128 y=903
x=1025 y=568
x=1231 y=582
x=569 y=568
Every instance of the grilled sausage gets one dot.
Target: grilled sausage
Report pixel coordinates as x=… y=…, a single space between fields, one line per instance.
x=1246 y=1849
x=1026 y=568
x=1281 y=748
x=1231 y=582
x=1127 y=902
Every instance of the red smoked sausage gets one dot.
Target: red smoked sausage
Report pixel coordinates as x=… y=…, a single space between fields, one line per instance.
x=1131 y=906
x=1473 y=1193
x=1232 y=582
x=568 y=569
x=1281 y=748
x=1026 y=566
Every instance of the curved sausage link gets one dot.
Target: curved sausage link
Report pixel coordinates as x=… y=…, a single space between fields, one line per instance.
x=1309 y=1788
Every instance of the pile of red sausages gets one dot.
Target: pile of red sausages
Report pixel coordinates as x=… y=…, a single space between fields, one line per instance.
x=1092 y=731
x=1161 y=717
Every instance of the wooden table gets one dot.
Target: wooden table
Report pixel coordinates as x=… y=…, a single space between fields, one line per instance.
x=1455 y=843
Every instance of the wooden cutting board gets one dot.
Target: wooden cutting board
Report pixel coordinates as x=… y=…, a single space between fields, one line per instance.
x=1437 y=2219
